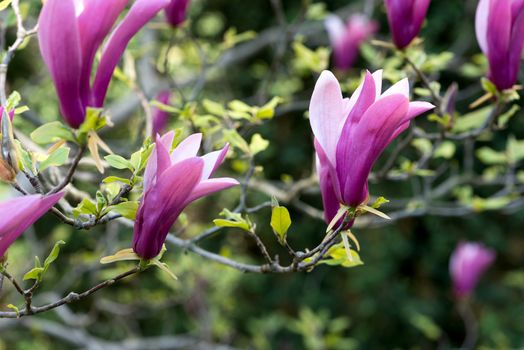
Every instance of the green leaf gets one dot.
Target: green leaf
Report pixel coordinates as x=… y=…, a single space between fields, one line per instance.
x=239 y=106
x=426 y=325
x=111 y=179
x=57 y=158
x=121 y=255
x=489 y=156
x=230 y=223
x=488 y=86
x=53 y=255
x=14 y=308
x=52 y=132
x=379 y=202
x=85 y=207
x=4 y=4
x=214 y=108
x=126 y=209
x=258 y=144
x=504 y=118
x=472 y=120
x=234 y=138
x=34 y=274
x=118 y=162
x=280 y=222
x=424 y=146
x=445 y=150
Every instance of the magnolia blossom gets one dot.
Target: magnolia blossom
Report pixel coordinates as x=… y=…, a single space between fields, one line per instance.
x=351 y=133
x=347 y=38
x=171 y=182
x=20 y=213
x=160 y=117
x=70 y=33
x=176 y=12
x=405 y=19
x=468 y=262
x=500 y=34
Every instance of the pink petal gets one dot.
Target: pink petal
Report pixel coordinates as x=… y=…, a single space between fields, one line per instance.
x=187 y=148
x=481 y=24
x=207 y=187
x=212 y=161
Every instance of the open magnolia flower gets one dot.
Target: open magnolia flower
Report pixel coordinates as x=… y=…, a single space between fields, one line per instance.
x=20 y=213
x=70 y=33
x=171 y=182
x=351 y=133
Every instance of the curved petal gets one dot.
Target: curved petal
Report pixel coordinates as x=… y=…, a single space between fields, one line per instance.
x=23 y=212
x=60 y=47
x=401 y=87
x=481 y=24
x=176 y=12
x=140 y=13
x=207 y=187
x=330 y=200
x=94 y=23
x=187 y=148
x=212 y=160
x=327 y=113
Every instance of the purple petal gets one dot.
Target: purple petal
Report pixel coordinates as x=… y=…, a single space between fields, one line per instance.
x=94 y=23
x=369 y=139
x=467 y=264
x=176 y=12
x=187 y=148
x=498 y=39
x=212 y=161
x=160 y=117
x=162 y=205
x=23 y=212
x=330 y=200
x=60 y=47
x=481 y=24
x=138 y=16
x=207 y=187
x=327 y=113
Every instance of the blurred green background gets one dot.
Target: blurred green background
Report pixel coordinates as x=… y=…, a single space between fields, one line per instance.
x=400 y=299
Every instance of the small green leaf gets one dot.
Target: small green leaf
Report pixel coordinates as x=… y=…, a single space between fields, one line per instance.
x=445 y=150
x=53 y=255
x=111 y=179
x=85 y=207
x=490 y=156
x=471 y=120
x=488 y=86
x=230 y=223
x=4 y=4
x=258 y=144
x=121 y=255
x=118 y=162
x=14 y=308
x=126 y=209
x=214 y=108
x=52 y=132
x=34 y=274
x=234 y=138
x=379 y=202
x=280 y=222
x=57 y=158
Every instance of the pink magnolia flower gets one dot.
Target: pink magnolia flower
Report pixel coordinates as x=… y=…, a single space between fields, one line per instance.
x=350 y=134
x=500 y=34
x=70 y=33
x=160 y=117
x=468 y=262
x=405 y=19
x=171 y=182
x=347 y=38
x=176 y=12
x=20 y=213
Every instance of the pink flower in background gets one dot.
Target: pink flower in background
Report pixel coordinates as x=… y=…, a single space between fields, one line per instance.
x=346 y=38
x=19 y=213
x=160 y=117
x=70 y=33
x=176 y=12
x=171 y=182
x=350 y=134
x=500 y=34
x=467 y=264
x=405 y=19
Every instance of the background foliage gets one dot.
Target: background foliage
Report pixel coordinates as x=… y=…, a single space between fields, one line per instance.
x=400 y=298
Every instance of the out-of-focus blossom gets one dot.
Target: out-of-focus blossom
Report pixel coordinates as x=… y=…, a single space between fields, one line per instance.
x=347 y=38
x=11 y=113
x=467 y=264
x=176 y=12
x=405 y=19
x=19 y=213
x=160 y=117
x=171 y=182
x=71 y=32
x=500 y=34
x=351 y=133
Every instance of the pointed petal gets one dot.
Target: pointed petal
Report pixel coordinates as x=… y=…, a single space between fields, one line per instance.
x=187 y=148
x=23 y=212
x=327 y=113
x=327 y=189
x=401 y=87
x=138 y=16
x=212 y=161
x=335 y=28
x=60 y=47
x=207 y=187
